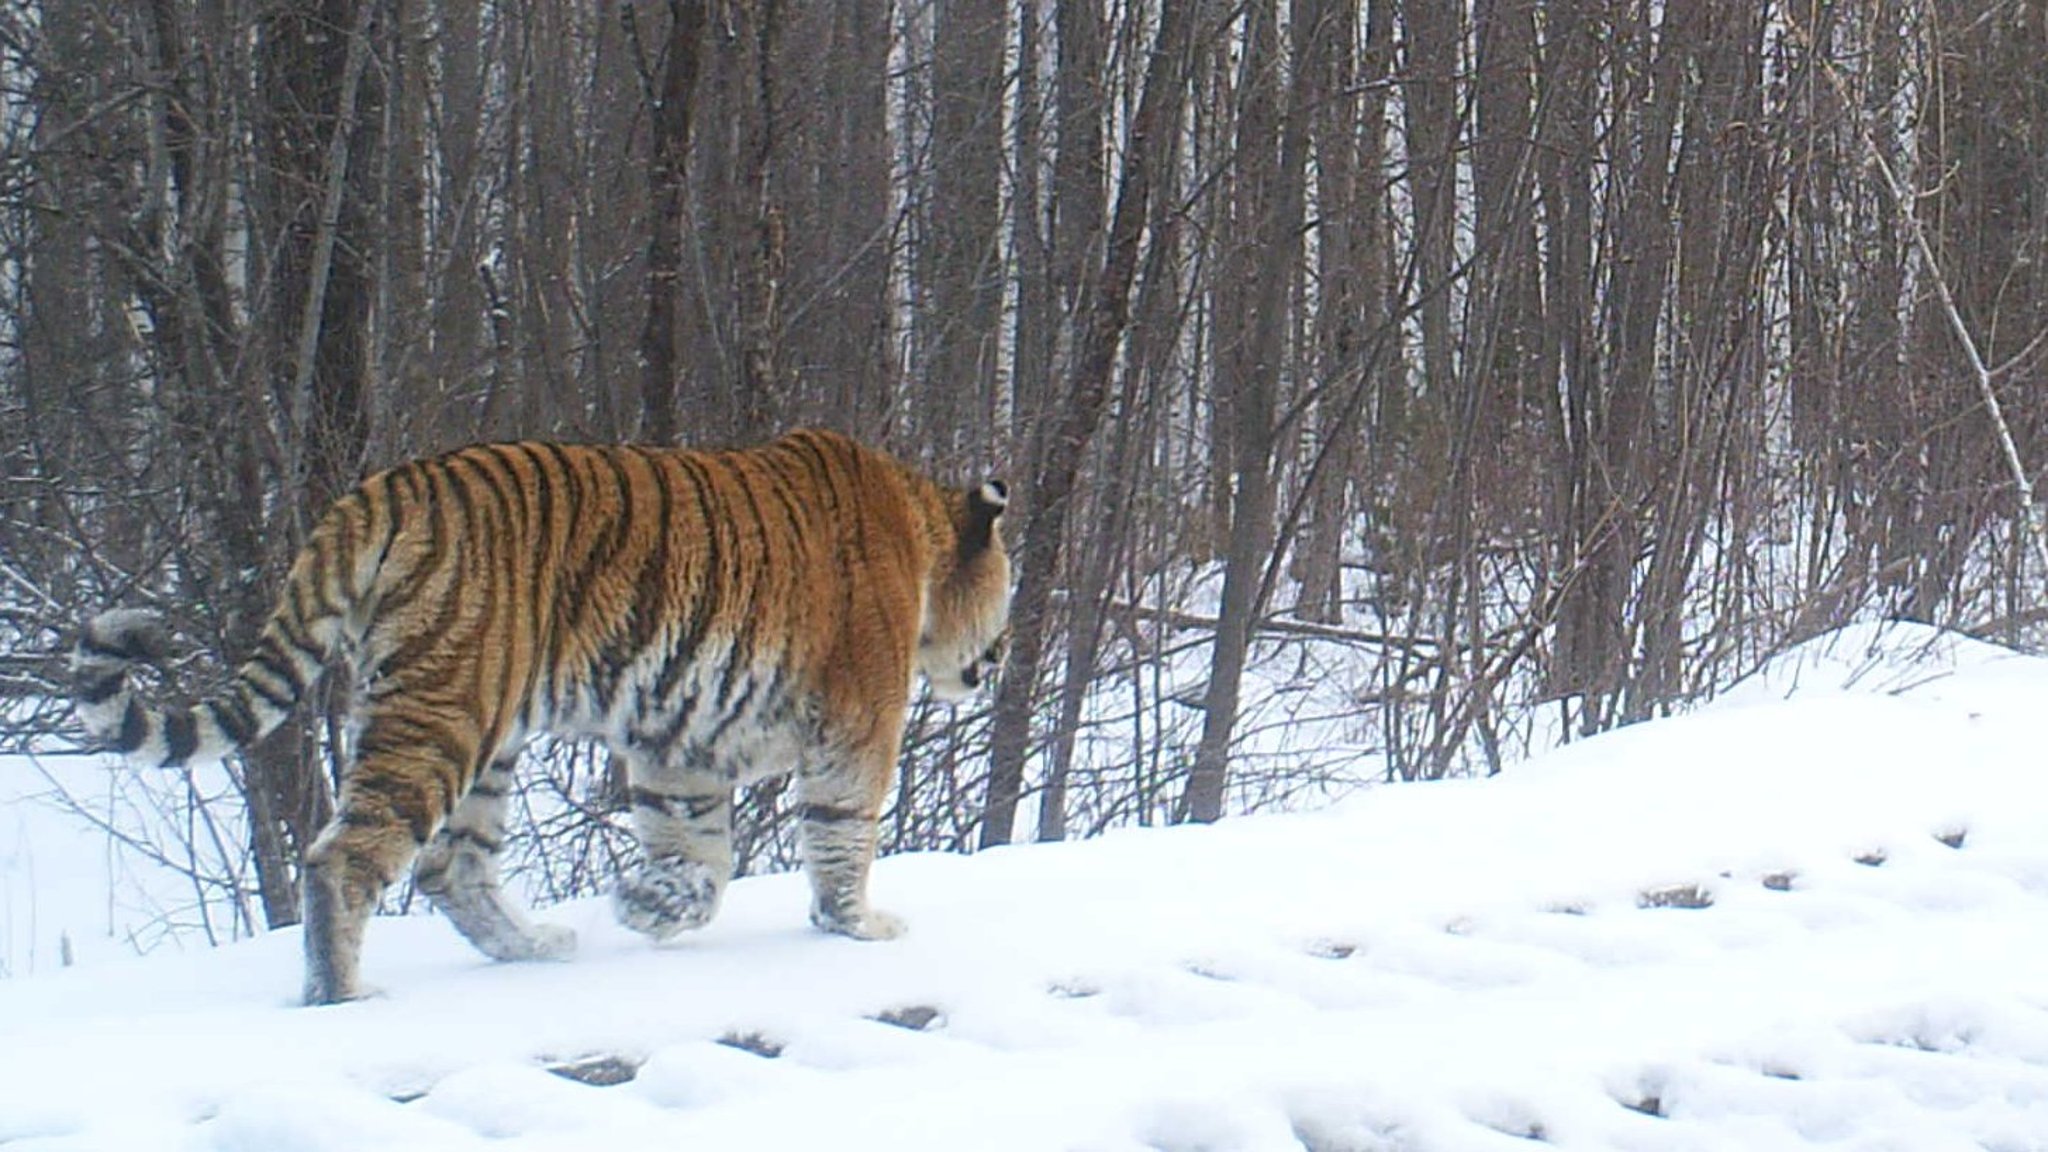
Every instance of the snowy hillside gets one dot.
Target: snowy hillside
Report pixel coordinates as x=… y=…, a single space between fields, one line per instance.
x=1812 y=915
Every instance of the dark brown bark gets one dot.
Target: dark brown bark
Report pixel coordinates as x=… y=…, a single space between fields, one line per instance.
x=1057 y=452
x=959 y=288
x=668 y=171
x=1268 y=177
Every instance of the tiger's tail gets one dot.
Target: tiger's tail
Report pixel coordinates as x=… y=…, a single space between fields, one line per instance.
x=290 y=655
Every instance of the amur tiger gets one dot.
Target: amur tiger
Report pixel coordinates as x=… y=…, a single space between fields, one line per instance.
x=713 y=618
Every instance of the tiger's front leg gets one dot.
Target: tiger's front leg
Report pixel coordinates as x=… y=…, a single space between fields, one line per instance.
x=839 y=834
x=684 y=824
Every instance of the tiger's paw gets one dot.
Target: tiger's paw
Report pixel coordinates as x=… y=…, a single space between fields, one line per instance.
x=868 y=924
x=549 y=942
x=318 y=995
x=664 y=897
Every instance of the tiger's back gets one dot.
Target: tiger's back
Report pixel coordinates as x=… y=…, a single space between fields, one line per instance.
x=711 y=617
x=639 y=595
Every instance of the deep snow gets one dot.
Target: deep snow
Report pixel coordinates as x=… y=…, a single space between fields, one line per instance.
x=1813 y=914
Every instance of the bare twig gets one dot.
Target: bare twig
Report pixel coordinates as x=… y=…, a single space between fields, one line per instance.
x=1273 y=624
x=2031 y=520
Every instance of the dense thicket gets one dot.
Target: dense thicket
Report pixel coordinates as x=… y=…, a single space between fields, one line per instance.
x=1509 y=363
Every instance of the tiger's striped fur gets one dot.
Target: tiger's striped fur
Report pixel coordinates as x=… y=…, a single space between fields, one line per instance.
x=713 y=618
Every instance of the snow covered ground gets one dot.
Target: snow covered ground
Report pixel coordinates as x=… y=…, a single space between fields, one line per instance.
x=1814 y=914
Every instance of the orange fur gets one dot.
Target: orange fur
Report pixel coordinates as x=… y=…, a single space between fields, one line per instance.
x=712 y=617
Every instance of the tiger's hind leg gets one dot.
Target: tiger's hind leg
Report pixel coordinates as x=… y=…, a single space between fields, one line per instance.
x=458 y=871
x=684 y=823
x=387 y=807
x=412 y=760
x=839 y=817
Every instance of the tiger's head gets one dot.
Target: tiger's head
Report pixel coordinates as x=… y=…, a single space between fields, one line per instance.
x=966 y=630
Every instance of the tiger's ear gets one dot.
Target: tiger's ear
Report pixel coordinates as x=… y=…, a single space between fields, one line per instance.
x=985 y=505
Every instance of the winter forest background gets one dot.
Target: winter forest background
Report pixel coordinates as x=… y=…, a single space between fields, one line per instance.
x=1386 y=389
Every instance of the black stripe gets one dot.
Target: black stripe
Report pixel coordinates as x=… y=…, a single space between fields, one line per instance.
x=491 y=467
x=411 y=496
x=310 y=597
x=99 y=689
x=517 y=462
x=690 y=805
x=839 y=516
x=427 y=639
x=392 y=733
x=557 y=477
x=747 y=484
x=387 y=499
x=521 y=463
x=289 y=622
x=733 y=713
x=672 y=670
x=650 y=584
x=474 y=837
x=754 y=605
x=232 y=716
x=134 y=727
x=855 y=514
x=524 y=469
x=386 y=680
x=486 y=536
x=503 y=487
x=494 y=706
x=794 y=501
x=326 y=550
x=821 y=470
x=830 y=814
x=468 y=518
x=750 y=611
x=406 y=798
x=181 y=737
x=980 y=526
x=556 y=483
x=460 y=534
x=662 y=740
x=441 y=528
x=271 y=658
x=705 y=604
x=645 y=798
x=422 y=474
x=576 y=566
x=508 y=558
x=123 y=647
x=603 y=552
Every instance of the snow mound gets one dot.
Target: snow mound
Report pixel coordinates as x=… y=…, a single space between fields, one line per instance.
x=1810 y=917
x=1888 y=657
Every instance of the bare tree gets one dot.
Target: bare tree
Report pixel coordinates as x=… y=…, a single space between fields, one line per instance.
x=669 y=115
x=1483 y=371
x=1056 y=451
x=1267 y=189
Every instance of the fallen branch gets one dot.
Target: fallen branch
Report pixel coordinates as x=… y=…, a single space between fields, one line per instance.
x=1274 y=625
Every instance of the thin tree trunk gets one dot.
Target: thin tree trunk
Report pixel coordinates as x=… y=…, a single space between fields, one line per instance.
x=1269 y=212
x=960 y=282
x=1062 y=444
x=669 y=126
